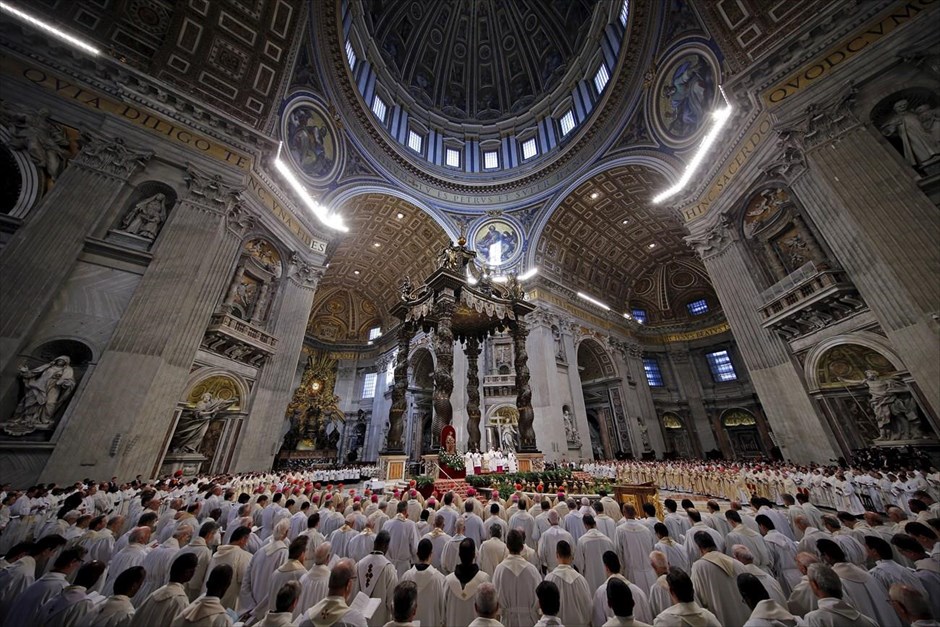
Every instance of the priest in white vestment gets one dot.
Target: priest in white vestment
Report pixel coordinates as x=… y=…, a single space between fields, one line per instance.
x=200 y=547
x=131 y=555
x=158 y=562
x=926 y=568
x=886 y=570
x=334 y=611
x=605 y=524
x=314 y=586
x=691 y=548
x=549 y=540
x=493 y=550
x=659 y=597
x=377 y=577
x=912 y=606
x=621 y=603
x=487 y=608
x=460 y=586
x=164 y=604
x=234 y=555
x=473 y=524
x=207 y=610
x=439 y=540
x=714 y=577
x=677 y=522
x=515 y=579
x=362 y=543
x=754 y=541
x=590 y=553
x=765 y=612
x=429 y=583
x=832 y=610
x=263 y=563
x=684 y=611
x=403 y=539
x=117 y=610
x=601 y=611
x=743 y=554
x=549 y=605
x=783 y=552
x=449 y=557
x=522 y=519
x=863 y=591
x=576 y=595
x=634 y=543
x=69 y=607
x=291 y=570
x=340 y=538
x=27 y=604
x=675 y=552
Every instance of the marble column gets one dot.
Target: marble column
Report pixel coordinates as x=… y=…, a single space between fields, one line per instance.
x=143 y=371
x=527 y=442
x=882 y=229
x=472 y=351
x=260 y=437
x=690 y=389
x=551 y=389
x=40 y=256
x=774 y=373
x=399 y=405
x=443 y=342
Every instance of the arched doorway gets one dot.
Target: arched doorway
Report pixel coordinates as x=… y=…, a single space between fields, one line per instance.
x=600 y=388
x=743 y=435
x=677 y=436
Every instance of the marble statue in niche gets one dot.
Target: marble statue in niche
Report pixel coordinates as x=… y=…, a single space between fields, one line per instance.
x=571 y=431
x=918 y=130
x=43 y=140
x=145 y=218
x=194 y=423
x=508 y=437
x=47 y=387
x=894 y=406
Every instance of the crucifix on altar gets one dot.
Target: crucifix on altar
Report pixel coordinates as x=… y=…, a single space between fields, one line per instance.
x=459 y=301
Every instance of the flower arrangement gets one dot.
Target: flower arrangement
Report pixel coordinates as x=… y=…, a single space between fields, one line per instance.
x=451 y=460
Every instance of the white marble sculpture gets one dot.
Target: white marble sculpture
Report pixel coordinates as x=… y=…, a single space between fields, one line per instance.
x=195 y=422
x=570 y=430
x=47 y=387
x=34 y=131
x=894 y=406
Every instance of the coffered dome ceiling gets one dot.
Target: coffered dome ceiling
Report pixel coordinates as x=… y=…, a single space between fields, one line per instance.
x=482 y=60
x=361 y=283
x=607 y=239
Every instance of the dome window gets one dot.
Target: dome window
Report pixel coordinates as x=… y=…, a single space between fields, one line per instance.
x=415 y=141
x=379 y=108
x=639 y=315
x=624 y=12
x=452 y=157
x=601 y=78
x=490 y=160
x=698 y=307
x=530 y=148
x=567 y=123
x=350 y=55
x=720 y=364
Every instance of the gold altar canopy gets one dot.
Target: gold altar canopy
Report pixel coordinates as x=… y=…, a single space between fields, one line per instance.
x=460 y=301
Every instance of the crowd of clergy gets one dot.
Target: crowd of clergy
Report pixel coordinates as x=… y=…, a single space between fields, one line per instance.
x=284 y=549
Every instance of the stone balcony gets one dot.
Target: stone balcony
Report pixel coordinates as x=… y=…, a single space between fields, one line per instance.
x=238 y=340
x=809 y=299
x=499 y=385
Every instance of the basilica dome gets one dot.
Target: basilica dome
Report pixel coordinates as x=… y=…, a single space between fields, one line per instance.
x=478 y=61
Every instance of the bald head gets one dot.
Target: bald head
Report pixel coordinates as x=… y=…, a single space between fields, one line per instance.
x=322 y=554
x=742 y=554
x=659 y=562
x=553 y=517
x=341 y=578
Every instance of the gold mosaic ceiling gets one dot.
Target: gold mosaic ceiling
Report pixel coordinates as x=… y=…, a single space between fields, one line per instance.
x=353 y=302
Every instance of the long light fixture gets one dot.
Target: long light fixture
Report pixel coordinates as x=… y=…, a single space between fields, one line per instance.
x=589 y=299
x=332 y=220
x=53 y=30
x=719 y=119
x=528 y=274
